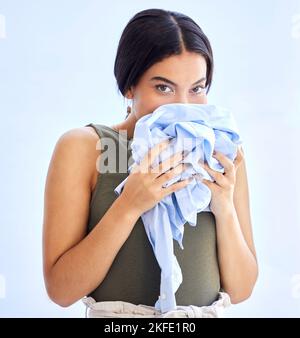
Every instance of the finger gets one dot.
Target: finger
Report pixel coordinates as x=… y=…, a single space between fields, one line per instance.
x=167 y=164
x=216 y=175
x=208 y=183
x=239 y=157
x=177 y=186
x=227 y=164
x=171 y=173
x=152 y=154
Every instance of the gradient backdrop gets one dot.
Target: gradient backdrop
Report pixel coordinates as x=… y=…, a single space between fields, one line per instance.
x=56 y=73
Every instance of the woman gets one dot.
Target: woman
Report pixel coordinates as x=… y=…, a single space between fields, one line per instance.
x=94 y=242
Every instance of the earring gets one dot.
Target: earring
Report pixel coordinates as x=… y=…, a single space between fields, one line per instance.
x=128 y=111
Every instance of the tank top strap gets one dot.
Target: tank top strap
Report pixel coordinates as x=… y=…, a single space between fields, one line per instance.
x=116 y=148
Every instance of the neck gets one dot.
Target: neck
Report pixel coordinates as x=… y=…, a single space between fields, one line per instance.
x=128 y=125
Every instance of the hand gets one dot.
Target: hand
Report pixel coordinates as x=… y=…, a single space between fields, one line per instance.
x=143 y=188
x=223 y=186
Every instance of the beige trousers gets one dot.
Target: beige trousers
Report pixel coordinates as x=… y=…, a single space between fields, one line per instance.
x=120 y=309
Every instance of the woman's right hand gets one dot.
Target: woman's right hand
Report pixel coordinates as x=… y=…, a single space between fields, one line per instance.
x=143 y=188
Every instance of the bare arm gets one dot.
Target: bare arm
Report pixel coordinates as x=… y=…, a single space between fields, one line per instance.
x=76 y=263
x=236 y=251
x=70 y=258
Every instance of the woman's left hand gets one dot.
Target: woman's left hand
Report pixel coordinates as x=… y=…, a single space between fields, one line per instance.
x=223 y=186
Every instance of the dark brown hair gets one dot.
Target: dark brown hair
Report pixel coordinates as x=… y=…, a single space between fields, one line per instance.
x=152 y=35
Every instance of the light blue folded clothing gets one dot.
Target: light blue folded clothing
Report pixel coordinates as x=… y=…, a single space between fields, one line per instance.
x=198 y=129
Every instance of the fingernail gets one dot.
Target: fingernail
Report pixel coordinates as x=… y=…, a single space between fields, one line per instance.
x=184 y=152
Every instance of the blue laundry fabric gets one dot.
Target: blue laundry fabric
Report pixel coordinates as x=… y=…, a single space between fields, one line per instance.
x=198 y=129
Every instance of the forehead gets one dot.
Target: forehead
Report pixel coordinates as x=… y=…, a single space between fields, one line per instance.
x=184 y=66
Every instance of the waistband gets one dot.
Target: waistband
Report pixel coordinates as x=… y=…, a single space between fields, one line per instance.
x=120 y=309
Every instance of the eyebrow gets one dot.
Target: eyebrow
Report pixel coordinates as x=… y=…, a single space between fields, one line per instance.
x=160 y=78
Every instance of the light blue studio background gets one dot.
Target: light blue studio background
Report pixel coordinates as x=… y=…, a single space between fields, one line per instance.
x=56 y=73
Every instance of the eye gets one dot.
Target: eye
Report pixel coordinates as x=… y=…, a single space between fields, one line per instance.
x=200 y=91
x=162 y=86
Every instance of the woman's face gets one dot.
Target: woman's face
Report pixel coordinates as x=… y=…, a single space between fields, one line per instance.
x=176 y=79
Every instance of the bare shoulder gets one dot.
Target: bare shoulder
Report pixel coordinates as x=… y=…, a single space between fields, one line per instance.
x=79 y=147
x=68 y=192
x=83 y=135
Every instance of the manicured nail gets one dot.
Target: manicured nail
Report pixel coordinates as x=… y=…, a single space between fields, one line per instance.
x=184 y=153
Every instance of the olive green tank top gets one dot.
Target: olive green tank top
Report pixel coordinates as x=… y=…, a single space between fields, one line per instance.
x=134 y=276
